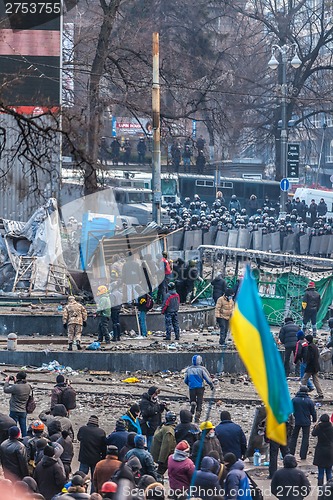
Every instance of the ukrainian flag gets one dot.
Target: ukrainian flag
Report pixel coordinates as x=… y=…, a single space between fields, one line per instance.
x=261 y=357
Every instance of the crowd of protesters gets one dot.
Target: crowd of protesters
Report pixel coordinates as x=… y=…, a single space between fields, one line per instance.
x=151 y=451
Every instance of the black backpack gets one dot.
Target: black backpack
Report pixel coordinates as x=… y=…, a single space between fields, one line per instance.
x=68 y=398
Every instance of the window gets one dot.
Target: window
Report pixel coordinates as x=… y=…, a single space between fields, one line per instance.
x=204 y=183
x=226 y=185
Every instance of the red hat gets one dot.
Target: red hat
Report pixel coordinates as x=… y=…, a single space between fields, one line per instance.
x=183 y=446
x=109 y=487
x=311 y=284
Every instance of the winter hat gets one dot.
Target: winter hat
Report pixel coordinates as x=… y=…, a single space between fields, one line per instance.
x=112 y=450
x=139 y=441
x=230 y=458
x=21 y=375
x=77 y=481
x=324 y=418
x=134 y=409
x=300 y=334
x=60 y=379
x=225 y=415
x=49 y=450
x=152 y=390
x=120 y=425
x=183 y=446
x=289 y=461
x=13 y=432
x=311 y=284
x=303 y=388
x=93 y=420
x=145 y=481
x=185 y=416
x=130 y=439
x=31 y=483
x=309 y=338
x=41 y=443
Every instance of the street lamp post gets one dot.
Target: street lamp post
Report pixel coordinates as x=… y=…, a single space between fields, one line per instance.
x=273 y=64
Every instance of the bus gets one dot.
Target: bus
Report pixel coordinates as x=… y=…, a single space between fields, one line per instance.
x=243 y=188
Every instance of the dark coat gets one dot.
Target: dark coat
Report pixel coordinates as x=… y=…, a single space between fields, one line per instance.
x=14 y=459
x=205 y=479
x=323 y=456
x=236 y=480
x=209 y=445
x=312 y=299
x=288 y=334
x=304 y=409
x=151 y=414
x=312 y=359
x=50 y=477
x=117 y=438
x=186 y=429
x=284 y=479
x=232 y=438
x=5 y=423
x=219 y=287
x=92 y=444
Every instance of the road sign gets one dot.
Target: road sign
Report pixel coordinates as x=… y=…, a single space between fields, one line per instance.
x=293 y=161
x=284 y=185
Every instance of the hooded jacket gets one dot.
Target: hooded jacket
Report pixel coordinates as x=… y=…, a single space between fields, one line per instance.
x=146 y=460
x=290 y=476
x=219 y=287
x=60 y=413
x=186 y=429
x=301 y=351
x=312 y=359
x=164 y=443
x=14 y=459
x=236 y=480
x=151 y=413
x=304 y=409
x=323 y=456
x=209 y=444
x=288 y=334
x=50 y=477
x=196 y=375
x=92 y=444
x=206 y=480
x=232 y=438
x=180 y=470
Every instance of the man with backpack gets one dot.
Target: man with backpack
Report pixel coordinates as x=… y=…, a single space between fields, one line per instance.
x=63 y=393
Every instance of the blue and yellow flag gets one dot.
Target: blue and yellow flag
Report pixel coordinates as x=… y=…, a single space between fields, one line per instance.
x=261 y=357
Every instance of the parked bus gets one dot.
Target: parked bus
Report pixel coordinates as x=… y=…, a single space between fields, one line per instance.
x=205 y=187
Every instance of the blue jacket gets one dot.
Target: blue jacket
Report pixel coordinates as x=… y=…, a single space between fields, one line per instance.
x=231 y=437
x=206 y=480
x=196 y=375
x=133 y=425
x=117 y=438
x=304 y=409
x=237 y=483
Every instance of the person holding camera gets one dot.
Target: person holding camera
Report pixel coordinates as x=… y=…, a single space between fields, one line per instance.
x=20 y=391
x=151 y=412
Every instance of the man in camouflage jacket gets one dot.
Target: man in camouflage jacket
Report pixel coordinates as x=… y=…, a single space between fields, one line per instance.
x=74 y=319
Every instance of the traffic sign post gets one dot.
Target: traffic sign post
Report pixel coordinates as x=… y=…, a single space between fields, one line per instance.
x=284 y=185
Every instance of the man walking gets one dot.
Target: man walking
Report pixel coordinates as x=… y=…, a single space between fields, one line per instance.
x=304 y=411
x=301 y=353
x=20 y=392
x=310 y=306
x=104 y=312
x=195 y=377
x=74 y=319
x=223 y=312
x=170 y=309
x=312 y=366
x=288 y=337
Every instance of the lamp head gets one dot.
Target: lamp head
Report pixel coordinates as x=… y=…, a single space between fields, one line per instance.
x=296 y=62
x=273 y=63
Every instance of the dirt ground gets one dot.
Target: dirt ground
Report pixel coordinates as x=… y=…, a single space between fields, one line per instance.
x=108 y=396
